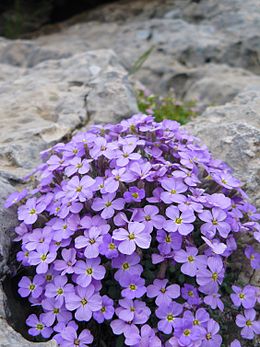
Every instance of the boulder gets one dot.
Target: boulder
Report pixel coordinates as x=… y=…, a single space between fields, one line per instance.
x=232 y=133
x=45 y=104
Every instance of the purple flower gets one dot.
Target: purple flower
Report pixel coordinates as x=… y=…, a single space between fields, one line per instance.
x=72 y=339
x=38 y=326
x=38 y=237
x=106 y=311
x=186 y=332
x=167 y=315
x=173 y=188
x=213 y=300
x=168 y=241
x=91 y=241
x=190 y=294
x=15 y=197
x=64 y=229
x=243 y=296
x=200 y=319
x=190 y=259
x=85 y=301
x=30 y=211
x=209 y=279
x=134 y=236
x=80 y=189
x=253 y=256
x=133 y=310
x=249 y=325
x=147 y=338
x=180 y=222
x=31 y=287
x=211 y=337
x=53 y=310
x=163 y=294
x=134 y=195
x=125 y=155
x=214 y=222
x=235 y=343
x=134 y=287
x=111 y=184
x=108 y=204
x=150 y=217
x=89 y=270
x=128 y=265
x=66 y=265
x=42 y=257
x=108 y=247
x=77 y=165
x=59 y=289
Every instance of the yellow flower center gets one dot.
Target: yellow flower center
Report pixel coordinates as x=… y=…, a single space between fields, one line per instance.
x=196 y=322
x=108 y=203
x=89 y=271
x=148 y=218
x=76 y=342
x=103 y=309
x=132 y=309
x=39 y=326
x=214 y=276
x=132 y=286
x=186 y=332
x=241 y=295
x=32 y=286
x=56 y=310
x=131 y=236
x=92 y=241
x=163 y=290
x=84 y=302
x=79 y=189
x=60 y=291
x=125 y=266
x=190 y=258
x=248 y=323
x=214 y=222
x=170 y=317
x=112 y=246
x=135 y=195
x=173 y=191
x=178 y=220
x=43 y=257
x=33 y=211
x=190 y=293
x=168 y=239
x=208 y=336
x=48 y=278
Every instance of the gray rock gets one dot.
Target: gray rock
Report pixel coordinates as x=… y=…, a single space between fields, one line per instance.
x=46 y=103
x=232 y=133
x=26 y=53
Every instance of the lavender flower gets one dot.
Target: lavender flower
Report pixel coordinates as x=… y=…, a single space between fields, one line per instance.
x=248 y=323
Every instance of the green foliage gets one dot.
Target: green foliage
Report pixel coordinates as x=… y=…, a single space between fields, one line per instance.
x=140 y=61
x=166 y=107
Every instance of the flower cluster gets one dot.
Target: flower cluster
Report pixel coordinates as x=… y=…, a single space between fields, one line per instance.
x=130 y=227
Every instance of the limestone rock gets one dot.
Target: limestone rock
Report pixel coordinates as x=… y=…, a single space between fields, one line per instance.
x=45 y=104
x=232 y=133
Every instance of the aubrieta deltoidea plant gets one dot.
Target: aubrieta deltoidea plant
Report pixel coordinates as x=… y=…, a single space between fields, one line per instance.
x=130 y=227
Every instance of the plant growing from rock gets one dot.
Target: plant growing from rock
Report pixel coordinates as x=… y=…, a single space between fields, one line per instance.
x=130 y=228
x=165 y=107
